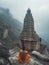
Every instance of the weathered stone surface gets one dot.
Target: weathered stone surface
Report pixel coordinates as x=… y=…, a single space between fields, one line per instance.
x=33 y=60
x=40 y=56
x=30 y=38
x=30 y=62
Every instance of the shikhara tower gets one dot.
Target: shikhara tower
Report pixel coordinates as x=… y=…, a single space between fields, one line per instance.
x=30 y=39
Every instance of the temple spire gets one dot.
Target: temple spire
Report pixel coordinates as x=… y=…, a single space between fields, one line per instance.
x=28 y=10
x=28 y=37
x=28 y=20
x=29 y=15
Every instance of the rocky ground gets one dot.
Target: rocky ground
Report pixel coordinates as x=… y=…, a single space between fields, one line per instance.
x=32 y=61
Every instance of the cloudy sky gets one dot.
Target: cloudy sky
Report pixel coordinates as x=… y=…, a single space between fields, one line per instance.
x=18 y=7
x=39 y=9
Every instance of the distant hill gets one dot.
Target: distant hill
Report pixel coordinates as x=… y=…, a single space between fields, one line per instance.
x=14 y=27
x=42 y=28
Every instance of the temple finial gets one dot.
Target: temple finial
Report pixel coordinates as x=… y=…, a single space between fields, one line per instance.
x=28 y=10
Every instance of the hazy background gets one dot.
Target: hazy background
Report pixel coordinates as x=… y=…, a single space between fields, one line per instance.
x=39 y=9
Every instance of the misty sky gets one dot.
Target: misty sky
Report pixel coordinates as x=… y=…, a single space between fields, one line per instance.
x=39 y=9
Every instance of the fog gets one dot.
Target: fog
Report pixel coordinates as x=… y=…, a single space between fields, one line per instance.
x=39 y=9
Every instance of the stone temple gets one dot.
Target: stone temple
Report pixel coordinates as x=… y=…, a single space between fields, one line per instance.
x=29 y=38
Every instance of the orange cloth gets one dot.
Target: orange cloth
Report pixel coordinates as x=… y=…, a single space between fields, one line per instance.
x=23 y=56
